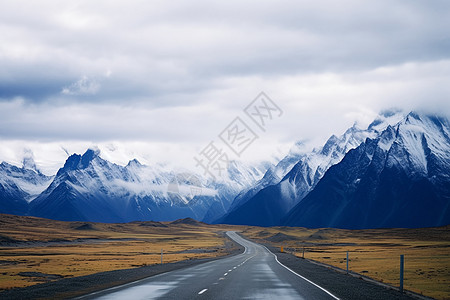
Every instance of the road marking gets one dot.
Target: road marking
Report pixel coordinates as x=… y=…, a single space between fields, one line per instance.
x=202 y=291
x=306 y=279
x=246 y=260
x=234 y=268
x=225 y=274
x=230 y=270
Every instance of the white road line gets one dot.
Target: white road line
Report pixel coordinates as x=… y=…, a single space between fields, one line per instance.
x=247 y=260
x=306 y=279
x=229 y=270
x=202 y=291
x=225 y=274
x=234 y=268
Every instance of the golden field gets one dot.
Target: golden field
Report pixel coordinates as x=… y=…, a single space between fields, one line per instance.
x=67 y=249
x=374 y=253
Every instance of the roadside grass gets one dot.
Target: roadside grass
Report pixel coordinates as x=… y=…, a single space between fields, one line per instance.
x=48 y=248
x=68 y=249
x=374 y=253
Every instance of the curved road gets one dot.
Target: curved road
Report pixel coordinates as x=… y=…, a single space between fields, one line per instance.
x=254 y=274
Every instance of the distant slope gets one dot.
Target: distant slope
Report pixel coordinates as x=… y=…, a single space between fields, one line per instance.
x=400 y=179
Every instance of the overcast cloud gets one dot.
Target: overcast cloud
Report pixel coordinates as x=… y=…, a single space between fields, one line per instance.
x=160 y=79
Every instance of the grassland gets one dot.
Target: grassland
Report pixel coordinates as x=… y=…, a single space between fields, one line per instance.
x=34 y=250
x=374 y=253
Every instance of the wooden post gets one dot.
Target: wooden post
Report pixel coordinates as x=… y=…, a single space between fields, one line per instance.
x=161 y=256
x=347 y=261
x=303 y=255
x=402 y=263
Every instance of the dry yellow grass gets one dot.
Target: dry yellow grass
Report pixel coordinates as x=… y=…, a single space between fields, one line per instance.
x=374 y=253
x=110 y=247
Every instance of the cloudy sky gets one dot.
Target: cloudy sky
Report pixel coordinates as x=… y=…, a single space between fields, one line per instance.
x=159 y=80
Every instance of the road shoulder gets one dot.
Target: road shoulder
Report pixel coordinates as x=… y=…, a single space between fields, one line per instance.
x=342 y=285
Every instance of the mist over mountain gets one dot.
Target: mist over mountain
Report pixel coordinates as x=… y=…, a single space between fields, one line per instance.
x=90 y=188
x=394 y=173
x=286 y=184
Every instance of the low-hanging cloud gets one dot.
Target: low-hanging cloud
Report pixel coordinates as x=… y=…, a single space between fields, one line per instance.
x=178 y=72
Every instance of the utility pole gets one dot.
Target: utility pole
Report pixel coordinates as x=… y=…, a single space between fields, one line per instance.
x=402 y=263
x=347 y=261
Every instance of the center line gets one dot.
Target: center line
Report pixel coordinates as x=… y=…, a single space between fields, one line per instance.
x=202 y=291
x=225 y=274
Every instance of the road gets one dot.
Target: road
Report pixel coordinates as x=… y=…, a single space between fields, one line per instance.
x=254 y=274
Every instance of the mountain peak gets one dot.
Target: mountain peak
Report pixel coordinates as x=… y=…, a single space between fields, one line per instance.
x=88 y=156
x=386 y=118
x=77 y=161
x=28 y=163
x=134 y=163
x=329 y=144
x=411 y=117
x=387 y=113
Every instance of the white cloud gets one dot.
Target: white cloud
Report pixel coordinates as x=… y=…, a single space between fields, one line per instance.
x=83 y=86
x=167 y=77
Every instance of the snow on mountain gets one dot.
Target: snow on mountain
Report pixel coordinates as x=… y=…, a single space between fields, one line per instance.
x=239 y=177
x=398 y=163
x=19 y=186
x=284 y=185
x=399 y=179
x=27 y=178
x=90 y=188
x=272 y=176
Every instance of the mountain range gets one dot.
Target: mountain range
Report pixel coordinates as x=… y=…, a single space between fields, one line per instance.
x=90 y=188
x=394 y=173
x=285 y=185
x=399 y=179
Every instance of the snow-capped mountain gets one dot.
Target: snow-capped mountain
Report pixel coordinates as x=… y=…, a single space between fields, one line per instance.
x=240 y=176
x=399 y=179
x=394 y=173
x=89 y=188
x=285 y=185
x=19 y=186
x=273 y=175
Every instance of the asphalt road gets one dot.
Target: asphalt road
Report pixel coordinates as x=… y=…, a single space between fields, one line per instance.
x=254 y=274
